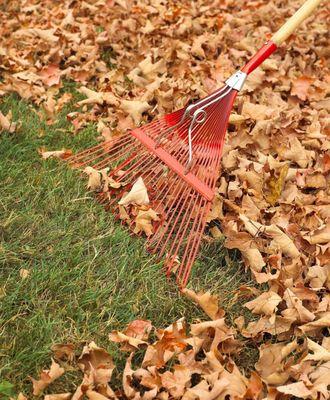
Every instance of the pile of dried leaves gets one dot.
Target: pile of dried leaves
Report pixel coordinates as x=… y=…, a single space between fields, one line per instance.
x=133 y=60
x=192 y=365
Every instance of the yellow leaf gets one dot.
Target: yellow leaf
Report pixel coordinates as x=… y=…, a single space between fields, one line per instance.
x=275 y=186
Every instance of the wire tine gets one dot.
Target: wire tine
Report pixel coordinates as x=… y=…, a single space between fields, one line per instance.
x=110 y=160
x=181 y=232
x=192 y=231
x=95 y=149
x=175 y=213
x=168 y=207
x=195 y=247
x=119 y=153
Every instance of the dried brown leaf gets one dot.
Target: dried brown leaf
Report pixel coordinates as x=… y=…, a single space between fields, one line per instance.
x=63 y=154
x=46 y=378
x=208 y=302
x=137 y=195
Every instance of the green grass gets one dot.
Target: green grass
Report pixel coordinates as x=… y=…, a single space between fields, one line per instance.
x=88 y=276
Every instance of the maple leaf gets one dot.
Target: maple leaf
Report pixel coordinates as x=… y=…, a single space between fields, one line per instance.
x=94 y=178
x=197 y=49
x=256 y=112
x=94 y=97
x=134 y=336
x=176 y=382
x=130 y=343
x=46 y=34
x=94 y=395
x=50 y=75
x=318 y=352
x=319 y=236
x=150 y=70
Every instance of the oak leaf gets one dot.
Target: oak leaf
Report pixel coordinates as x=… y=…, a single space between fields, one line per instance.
x=300 y=87
x=318 y=352
x=63 y=351
x=63 y=154
x=265 y=304
x=137 y=195
x=144 y=221
x=208 y=302
x=135 y=109
x=59 y=396
x=96 y=362
x=46 y=378
x=6 y=124
x=297 y=389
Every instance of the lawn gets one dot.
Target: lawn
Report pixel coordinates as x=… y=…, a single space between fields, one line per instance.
x=87 y=275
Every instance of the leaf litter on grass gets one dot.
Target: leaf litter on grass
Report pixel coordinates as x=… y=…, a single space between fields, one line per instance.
x=195 y=362
x=273 y=199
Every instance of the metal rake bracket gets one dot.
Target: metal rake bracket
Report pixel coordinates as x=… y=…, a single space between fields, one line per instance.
x=234 y=82
x=197 y=112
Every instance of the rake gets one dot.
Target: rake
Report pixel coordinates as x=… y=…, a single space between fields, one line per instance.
x=178 y=157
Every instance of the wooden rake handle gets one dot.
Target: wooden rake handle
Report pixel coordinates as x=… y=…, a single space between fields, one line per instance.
x=281 y=35
x=292 y=23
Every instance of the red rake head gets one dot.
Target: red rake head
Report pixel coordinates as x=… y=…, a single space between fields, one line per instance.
x=178 y=157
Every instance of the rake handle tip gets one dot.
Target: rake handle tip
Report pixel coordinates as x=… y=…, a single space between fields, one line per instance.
x=295 y=21
x=281 y=35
